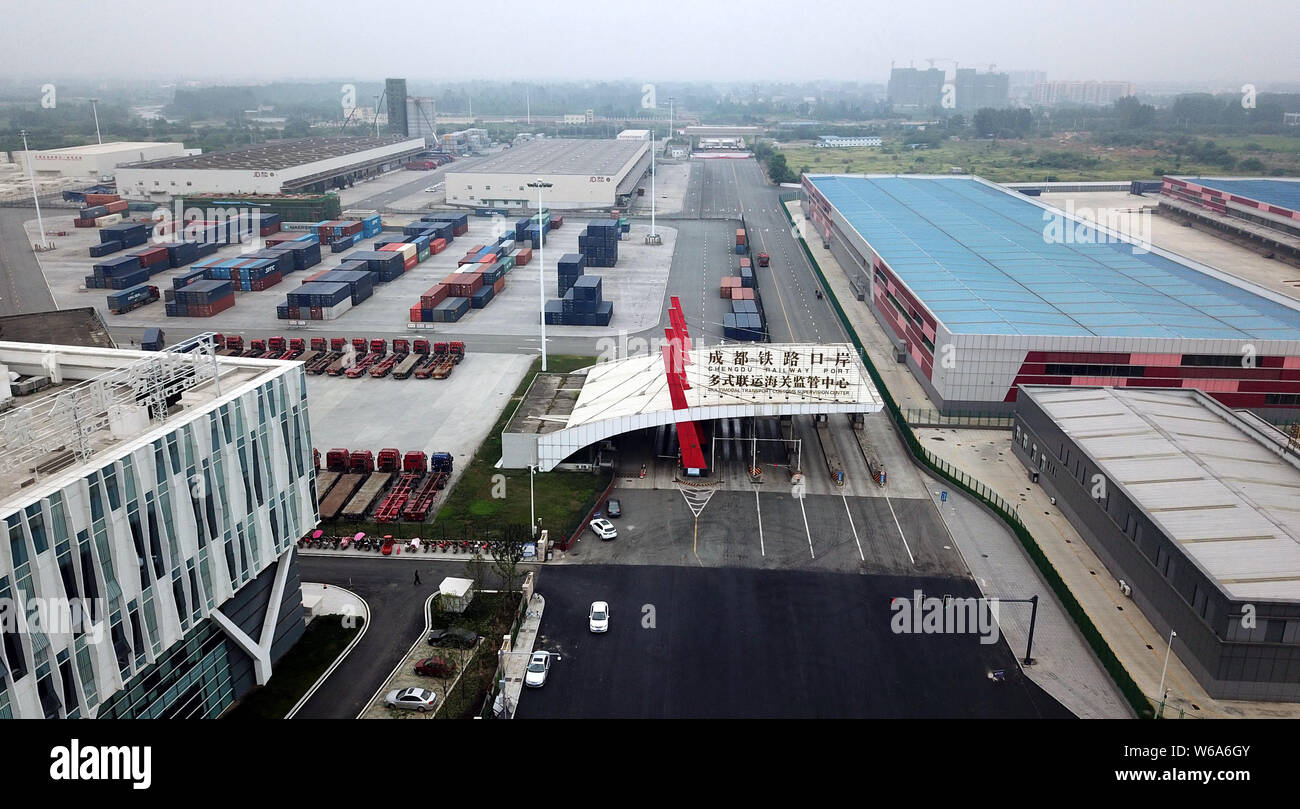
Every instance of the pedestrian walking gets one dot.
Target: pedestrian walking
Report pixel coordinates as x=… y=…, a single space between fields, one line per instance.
x=417 y=577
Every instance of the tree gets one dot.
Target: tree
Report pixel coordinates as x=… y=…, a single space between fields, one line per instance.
x=778 y=170
x=507 y=553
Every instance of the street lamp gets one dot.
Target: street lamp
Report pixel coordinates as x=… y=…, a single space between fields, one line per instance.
x=27 y=154
x=539 y=184
x=532 y=512
x=1169 y=648
x=94 y=102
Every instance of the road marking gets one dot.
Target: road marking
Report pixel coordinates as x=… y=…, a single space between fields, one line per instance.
x=762 y=549
x=853 y=527
x=805 y=528
x=900 y=530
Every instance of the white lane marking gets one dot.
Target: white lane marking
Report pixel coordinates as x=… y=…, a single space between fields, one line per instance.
x=900 y=530
x=805 y=529
x=762 y=549
x=853 y=527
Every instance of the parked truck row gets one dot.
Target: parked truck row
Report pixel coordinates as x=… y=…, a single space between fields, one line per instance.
x=390 y=486
x=337 y=356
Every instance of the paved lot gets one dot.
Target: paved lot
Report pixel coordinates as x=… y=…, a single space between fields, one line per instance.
x=769 y=528
x=736 y=642
x=396 y=621
x=22 y=288
x=441 y=415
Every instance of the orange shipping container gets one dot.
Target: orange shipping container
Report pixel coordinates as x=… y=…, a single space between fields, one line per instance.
x=499 y=287
x=101 y=199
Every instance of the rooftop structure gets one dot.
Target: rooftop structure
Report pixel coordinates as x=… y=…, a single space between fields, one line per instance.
x=1193 y=507
x=562 y=413
x=582 y=173
x=276 y=155
x=1019 y=292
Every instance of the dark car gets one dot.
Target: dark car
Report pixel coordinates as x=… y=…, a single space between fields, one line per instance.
x=613 y=508
x=435 y=667
x=455 y=636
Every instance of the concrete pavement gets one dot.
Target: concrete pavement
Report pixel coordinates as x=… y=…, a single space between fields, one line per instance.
x=517 y=659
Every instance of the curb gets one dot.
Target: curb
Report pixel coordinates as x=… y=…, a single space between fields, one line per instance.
x=347 y=650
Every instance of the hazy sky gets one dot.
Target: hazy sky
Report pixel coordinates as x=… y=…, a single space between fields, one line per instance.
x=1161 y=40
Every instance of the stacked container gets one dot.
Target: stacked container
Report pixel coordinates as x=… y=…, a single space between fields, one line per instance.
x=599 y=243
x=361 y=283
x=741 y=241
x=202 y=299
x=569 y=269
x=449 y=310
x=318 y=300
x=117 y=273
x=743 y=322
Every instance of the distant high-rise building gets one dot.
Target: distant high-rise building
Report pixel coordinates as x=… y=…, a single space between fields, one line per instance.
x=977 y=90
x=420 y=119
x=395 y=92
x=1022 y=82
x=1087 y=93
x=910 y=87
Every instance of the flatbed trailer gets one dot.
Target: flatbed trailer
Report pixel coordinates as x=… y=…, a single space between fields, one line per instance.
x=391 y=507
x=403 y=369
x=367 y=493
x=340 y=493
x=324 y=480
x=421 y=500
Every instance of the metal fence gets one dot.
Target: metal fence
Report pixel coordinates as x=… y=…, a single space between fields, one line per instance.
x=929 y=417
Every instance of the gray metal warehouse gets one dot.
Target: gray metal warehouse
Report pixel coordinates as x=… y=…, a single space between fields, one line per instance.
x=1193 y=506
x=303 y=165
x=584 y=174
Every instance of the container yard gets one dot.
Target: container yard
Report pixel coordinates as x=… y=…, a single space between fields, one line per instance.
x=635 y=286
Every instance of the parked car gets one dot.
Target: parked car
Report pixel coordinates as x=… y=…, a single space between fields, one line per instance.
x=604 y=529
x=435 y=667
x=411 y=699
x=598 y=617
x=613 y=509
x=538 y=667
x=456 y=636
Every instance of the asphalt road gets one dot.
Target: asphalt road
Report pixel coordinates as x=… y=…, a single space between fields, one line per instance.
x=22 y=286
x=741 y=643
x=396 y=621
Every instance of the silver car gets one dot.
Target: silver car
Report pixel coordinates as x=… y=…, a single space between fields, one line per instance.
x=411 y=699
x=538 y=666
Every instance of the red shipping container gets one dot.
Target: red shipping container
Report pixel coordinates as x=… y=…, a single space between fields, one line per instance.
x=437 y=246
x=151 y=256
x=725 y=292
x=317 y=313
x=490 y=258
x=460 y=231
x=392 y=247
x=477 y=248
x=525 y=256
x=210 y=309
x=498 y=287
x=267 y=230
x=416 y=317
x=116 y=207
x=433 y=296
x=411 y=262
x=102 y=199
x=266 y=282
x=311 y=278
x=466 y=259
x=83 y=223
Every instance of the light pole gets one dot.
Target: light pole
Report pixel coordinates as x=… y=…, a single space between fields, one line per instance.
x=1165 y=668
x=532 y=511
x=27 y=154
x=94 y=107
x=539 y=184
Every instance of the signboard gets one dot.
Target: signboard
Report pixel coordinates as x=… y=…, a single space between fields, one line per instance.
x=830 y=373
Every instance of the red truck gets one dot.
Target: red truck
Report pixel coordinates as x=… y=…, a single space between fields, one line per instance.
x=763 y=259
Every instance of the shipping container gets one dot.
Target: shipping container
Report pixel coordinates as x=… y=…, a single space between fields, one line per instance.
x=104 y=249
x=450 y=310
x=131 y=298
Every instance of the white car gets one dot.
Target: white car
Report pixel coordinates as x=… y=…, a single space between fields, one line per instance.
x=604 y=529
x=538 y=665
x=598 y=617
x=411 y=699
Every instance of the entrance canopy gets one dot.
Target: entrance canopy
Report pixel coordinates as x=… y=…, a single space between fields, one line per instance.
x=562 y=413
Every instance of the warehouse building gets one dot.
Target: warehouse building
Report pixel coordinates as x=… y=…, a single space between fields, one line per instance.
x=846 y=142
x=983 y=289
x=583 y=174
x=96 y=160
x=149 y=504
x=1272 y=202
x=304 y=165
x=1192 y=506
